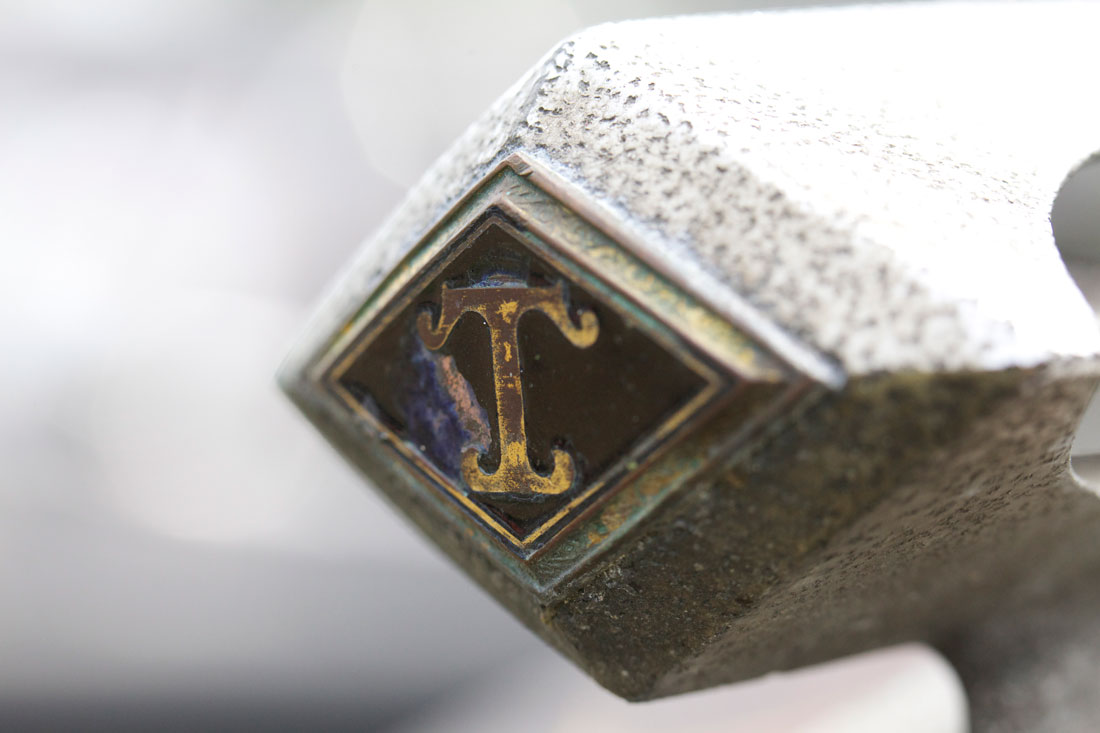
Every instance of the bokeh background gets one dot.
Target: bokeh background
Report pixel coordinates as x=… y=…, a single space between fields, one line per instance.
x=178 y=182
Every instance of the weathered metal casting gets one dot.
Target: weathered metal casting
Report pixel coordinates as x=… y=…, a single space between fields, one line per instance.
x=732 y=344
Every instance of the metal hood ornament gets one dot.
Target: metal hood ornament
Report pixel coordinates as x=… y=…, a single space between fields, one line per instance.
x=724 y=345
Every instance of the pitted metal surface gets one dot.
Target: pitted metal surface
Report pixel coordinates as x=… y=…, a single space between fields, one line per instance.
x=872 y=212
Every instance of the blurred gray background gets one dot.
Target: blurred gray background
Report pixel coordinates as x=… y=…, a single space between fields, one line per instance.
x=178 y=181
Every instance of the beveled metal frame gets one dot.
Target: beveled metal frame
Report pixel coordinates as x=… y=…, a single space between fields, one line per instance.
x=553 y=218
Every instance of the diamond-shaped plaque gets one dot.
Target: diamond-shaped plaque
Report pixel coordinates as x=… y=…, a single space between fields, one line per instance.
x=526 y=368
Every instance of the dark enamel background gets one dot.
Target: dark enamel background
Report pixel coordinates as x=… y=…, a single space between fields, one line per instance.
x=597 y=402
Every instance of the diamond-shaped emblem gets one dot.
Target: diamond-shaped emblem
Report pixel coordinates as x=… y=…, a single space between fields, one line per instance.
x=519 y=363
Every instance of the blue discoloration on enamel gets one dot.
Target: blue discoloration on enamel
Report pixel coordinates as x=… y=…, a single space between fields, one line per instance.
x=438 y=423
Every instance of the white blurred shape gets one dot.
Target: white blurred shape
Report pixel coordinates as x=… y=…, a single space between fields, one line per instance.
x=906 y=689
x=200 y=448
x=119 y=28
x=145 y=204
x=903 y=689
x=419 y=72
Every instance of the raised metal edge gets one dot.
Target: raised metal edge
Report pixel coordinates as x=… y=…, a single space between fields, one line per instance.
x=744 y=352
